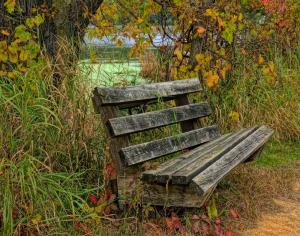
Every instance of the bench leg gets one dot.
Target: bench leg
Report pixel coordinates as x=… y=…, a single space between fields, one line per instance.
x=255 y=155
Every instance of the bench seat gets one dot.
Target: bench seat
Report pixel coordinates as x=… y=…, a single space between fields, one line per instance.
x=206 y=165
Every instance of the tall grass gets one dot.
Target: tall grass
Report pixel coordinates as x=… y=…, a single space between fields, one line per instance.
x=258 y=101
x=50 y=149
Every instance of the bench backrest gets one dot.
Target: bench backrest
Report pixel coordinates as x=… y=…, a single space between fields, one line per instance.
x=109 y=101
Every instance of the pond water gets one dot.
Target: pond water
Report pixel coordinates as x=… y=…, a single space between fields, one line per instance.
x=112 y=73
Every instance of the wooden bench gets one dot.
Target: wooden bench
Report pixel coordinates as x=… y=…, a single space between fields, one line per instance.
x=188 y=179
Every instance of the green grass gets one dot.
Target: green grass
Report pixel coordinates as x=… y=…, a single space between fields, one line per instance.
x=278 y=154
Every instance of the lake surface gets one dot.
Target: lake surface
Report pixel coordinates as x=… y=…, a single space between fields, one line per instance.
x=112 y=73
x=111 y=66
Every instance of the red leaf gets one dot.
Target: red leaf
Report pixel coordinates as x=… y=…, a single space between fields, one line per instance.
x=218 y=228
x=218 y=221
x=173 y=223
x=110 y=171
x=195 y=227
x=234 y=213
x=93 y=199
x=230 y=233
x=15 y=214
x=205 y=229
x=195 y=217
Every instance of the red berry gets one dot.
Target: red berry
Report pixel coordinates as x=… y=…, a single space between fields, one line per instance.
x=93 y=199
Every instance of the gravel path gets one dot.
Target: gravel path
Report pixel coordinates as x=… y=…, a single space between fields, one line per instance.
x=285 y=222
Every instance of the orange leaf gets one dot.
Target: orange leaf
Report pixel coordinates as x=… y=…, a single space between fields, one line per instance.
x=201 y=30
x=260 y=60
x=230 y=233
x=220 y=23
x=110 y=171
x=234 y=213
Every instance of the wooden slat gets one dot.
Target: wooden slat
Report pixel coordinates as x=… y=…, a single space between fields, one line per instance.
x=215 y=172
x=145 y=121
x=150 y=150
x=121 y=95
x=163 y=173
x=201 y=160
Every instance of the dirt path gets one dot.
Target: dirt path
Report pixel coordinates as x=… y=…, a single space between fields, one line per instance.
x=285 y=222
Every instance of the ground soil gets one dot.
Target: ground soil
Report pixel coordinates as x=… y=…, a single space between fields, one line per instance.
x=285 y=221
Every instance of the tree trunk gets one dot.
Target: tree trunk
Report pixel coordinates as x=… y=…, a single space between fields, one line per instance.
x=62 y=33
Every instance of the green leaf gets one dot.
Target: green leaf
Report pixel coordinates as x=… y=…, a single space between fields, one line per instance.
x=22 y=33
x=228 y=36
x=244 y=2
x=10 y=5
x=212 y=210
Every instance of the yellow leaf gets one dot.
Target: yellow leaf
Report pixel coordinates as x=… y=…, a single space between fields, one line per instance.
x=140 y=20
x=212 y=79
x=178 y=54
x=3 y=56
x=241 y=17
x=199 y=58
x=37 y=219
x=119 y=43
x=211 y=13
x=3 y=73
x=260 y=60
x=24 y=55
x=12 y=74
x=270 y=79
x=234 y=116
x=99 y=209
x=266 y=70
x=223 y=73
x=21 y=68
x=272 y=66
x=201 y=30
x=5 y=32
x=13 y=57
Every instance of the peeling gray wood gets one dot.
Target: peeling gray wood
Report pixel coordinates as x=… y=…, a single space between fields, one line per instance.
x=148 y=120
x=121 y=95
x=201 y=160
x=215 y=172
x=164 y=171
x=154 y=149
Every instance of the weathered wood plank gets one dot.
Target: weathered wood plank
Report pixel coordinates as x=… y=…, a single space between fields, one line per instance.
x=121 y=95
x=201 y=160
x=131 y=189
x=215 y=172
x=135 y=123
x=163 y=173
x=150 y=150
